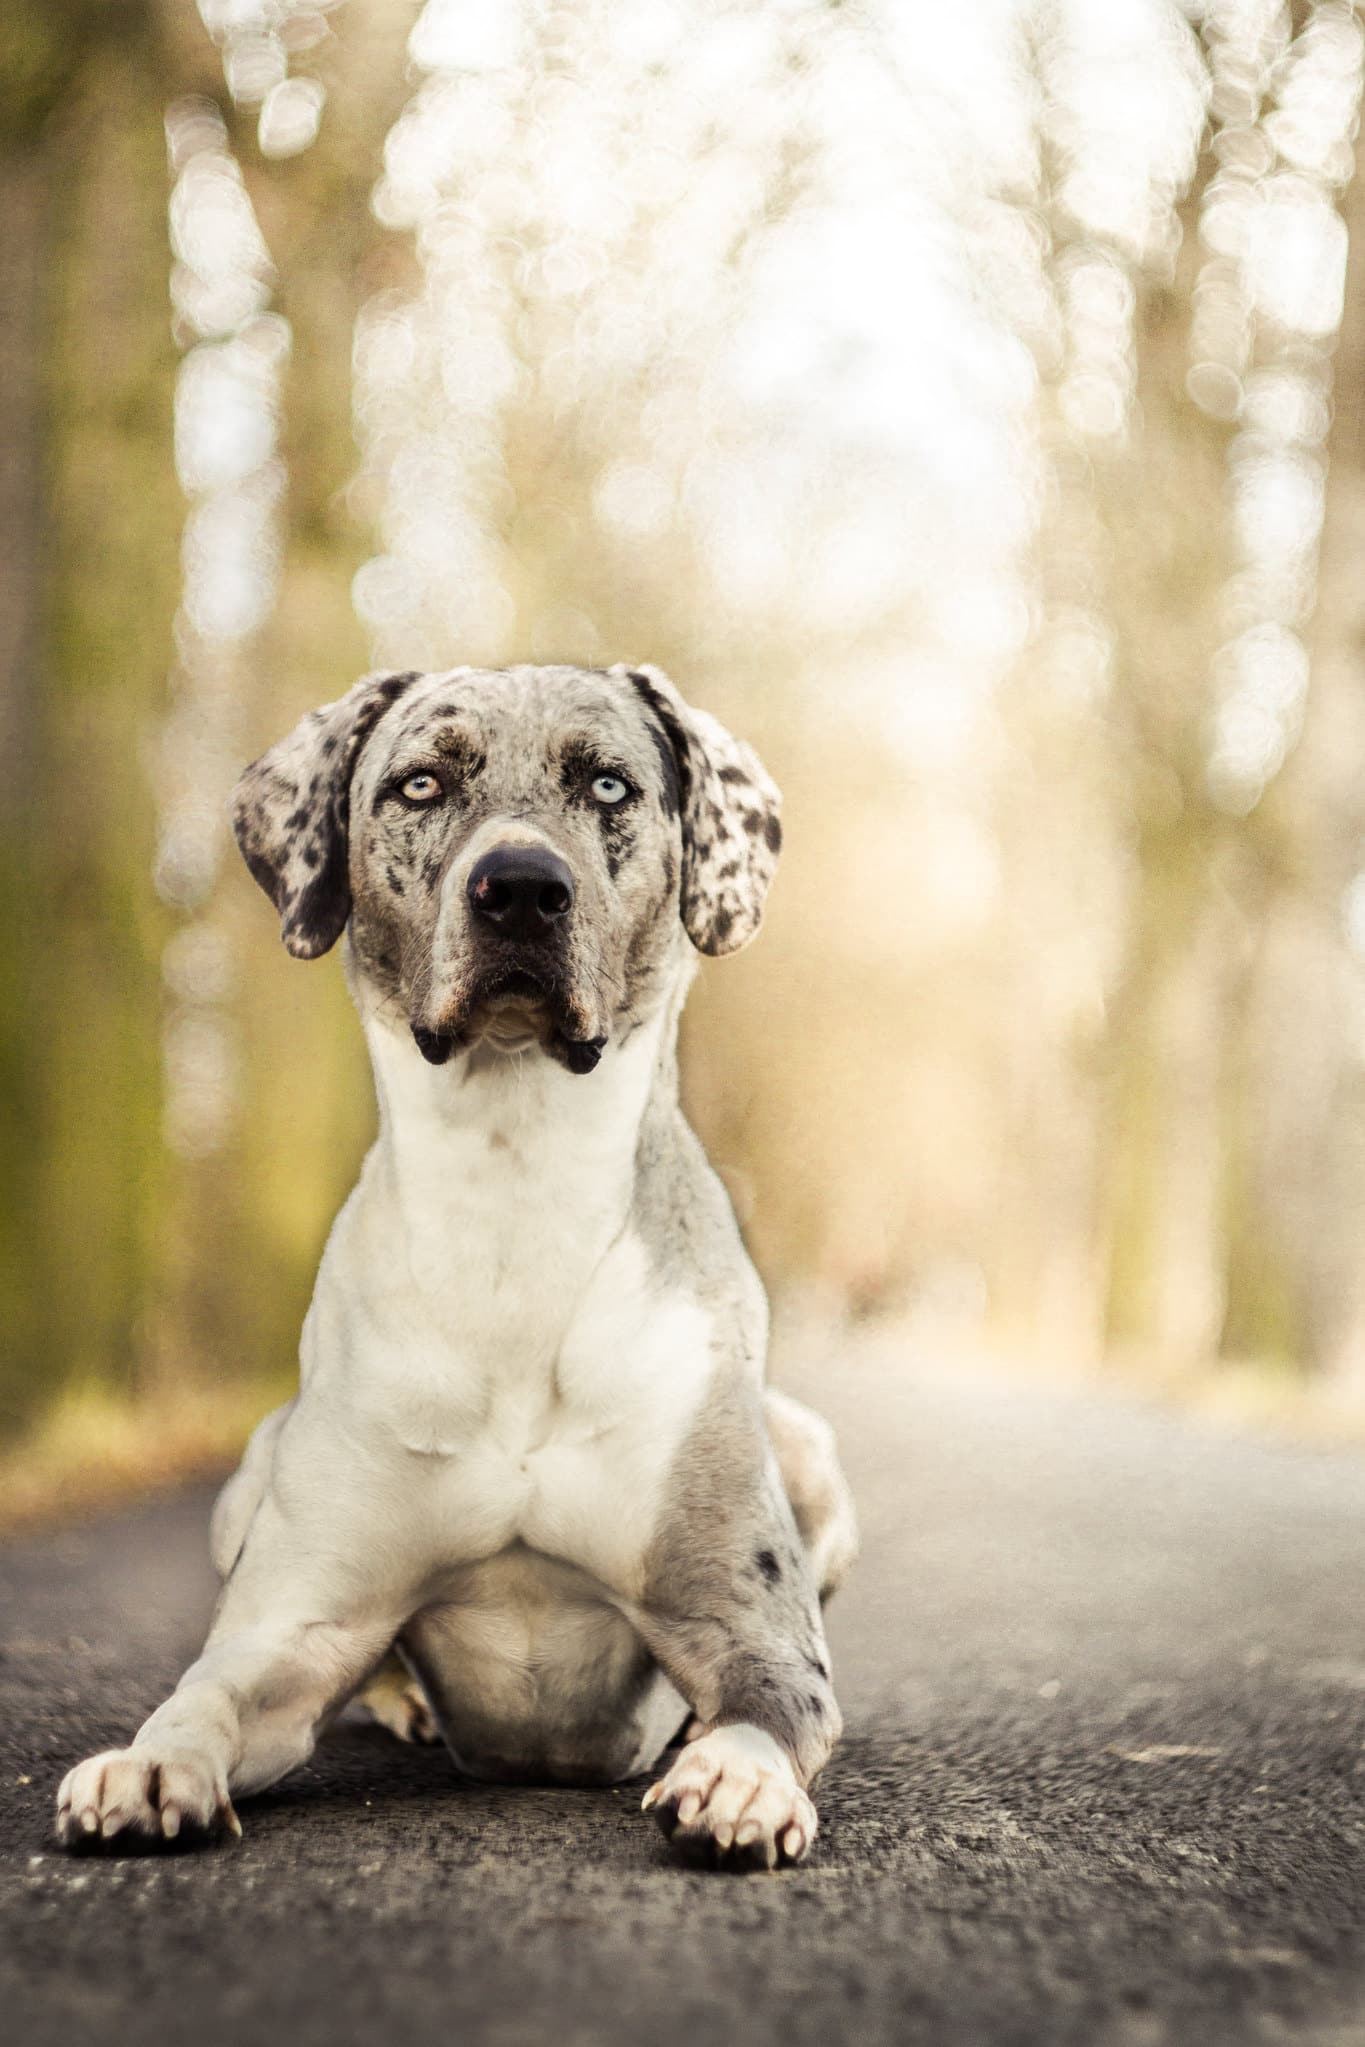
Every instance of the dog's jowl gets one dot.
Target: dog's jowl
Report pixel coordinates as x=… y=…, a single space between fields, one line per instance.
x=531 y=1495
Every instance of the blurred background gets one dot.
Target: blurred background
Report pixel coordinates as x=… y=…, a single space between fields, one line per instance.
x=966 y=401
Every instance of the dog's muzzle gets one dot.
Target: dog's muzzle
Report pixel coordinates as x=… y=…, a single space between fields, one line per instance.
x=520 y=900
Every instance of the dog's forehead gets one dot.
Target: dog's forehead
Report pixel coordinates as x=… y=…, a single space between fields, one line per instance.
x=520 y=712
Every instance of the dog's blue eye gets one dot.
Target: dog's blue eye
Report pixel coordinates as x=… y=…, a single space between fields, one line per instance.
x=610 y=789
x=421 y=789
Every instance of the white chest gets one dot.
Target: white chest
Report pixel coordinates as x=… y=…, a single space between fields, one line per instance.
x=573 y=1460
x=488 y=1314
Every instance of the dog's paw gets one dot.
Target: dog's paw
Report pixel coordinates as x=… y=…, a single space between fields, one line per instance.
x=137 y=1792
x=397 y=1701
x=733 y=1795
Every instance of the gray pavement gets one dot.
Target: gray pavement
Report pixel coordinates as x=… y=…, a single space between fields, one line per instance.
x=1104 y=1782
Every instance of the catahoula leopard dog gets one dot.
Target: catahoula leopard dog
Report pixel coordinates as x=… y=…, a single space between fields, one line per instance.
x=532 y=1494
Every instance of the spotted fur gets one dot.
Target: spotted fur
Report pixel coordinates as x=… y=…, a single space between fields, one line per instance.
x=732 y=824
x=290 y=814
x=326 y=837
x=531 y=1452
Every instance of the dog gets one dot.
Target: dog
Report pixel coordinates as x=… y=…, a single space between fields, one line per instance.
x=532 y=1494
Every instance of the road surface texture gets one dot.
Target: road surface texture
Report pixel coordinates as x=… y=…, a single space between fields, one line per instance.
x=1104 y=1783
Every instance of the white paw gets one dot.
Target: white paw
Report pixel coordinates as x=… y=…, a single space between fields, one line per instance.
x=137 y=1791
x=733 y=1794
x=398 y=1702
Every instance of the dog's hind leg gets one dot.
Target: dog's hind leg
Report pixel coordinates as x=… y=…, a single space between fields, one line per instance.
x=395 y=1699
x=821 y=1502
x=731 y=1613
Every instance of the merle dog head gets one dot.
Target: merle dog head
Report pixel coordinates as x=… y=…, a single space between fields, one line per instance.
x=516 y=851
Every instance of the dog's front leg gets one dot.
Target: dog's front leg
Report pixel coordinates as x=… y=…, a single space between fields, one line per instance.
x=286 y=1648
x=732 y=1615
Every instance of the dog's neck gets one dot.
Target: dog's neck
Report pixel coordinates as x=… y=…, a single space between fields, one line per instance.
x=489 y=1139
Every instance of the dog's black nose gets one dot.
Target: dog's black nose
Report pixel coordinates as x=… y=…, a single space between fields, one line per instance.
x=522 y=891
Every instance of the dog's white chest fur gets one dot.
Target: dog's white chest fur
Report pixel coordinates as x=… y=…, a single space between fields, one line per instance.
x=488 y=1314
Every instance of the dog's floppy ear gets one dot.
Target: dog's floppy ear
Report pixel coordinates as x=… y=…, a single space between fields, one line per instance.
x=731 y=827
x=291 y=808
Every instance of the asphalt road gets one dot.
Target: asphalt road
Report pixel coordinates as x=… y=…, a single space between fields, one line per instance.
x=1104 y=1782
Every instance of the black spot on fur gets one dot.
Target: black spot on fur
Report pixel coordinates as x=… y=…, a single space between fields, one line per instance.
x=753 y=820
x=733 y=774
x=460 y=760
x=721 y=923
x=768 y=1565
x=772 y=832
x=324 y=904
x=265 y=876
x=670 y=743
x=814 y=1663
x=395 y=881
x=670 y=795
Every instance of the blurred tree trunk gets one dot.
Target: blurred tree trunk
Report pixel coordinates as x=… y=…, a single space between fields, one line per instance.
x=1332 y=759
x=1112 y=1229
x=1164 y=509
x=1236 y=1186
x=1307 y=1031
x=1189 y=1261
x=89 y=570
x=24 y=200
